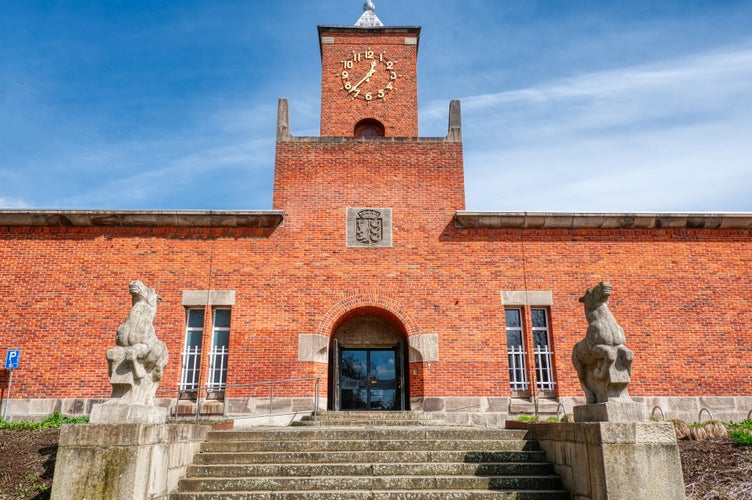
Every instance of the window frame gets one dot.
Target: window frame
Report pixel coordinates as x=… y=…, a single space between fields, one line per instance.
x=539 y=377
x=190 y=369
x=219 y=355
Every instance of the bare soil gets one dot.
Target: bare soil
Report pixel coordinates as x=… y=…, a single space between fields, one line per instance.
x=714 y=469
x=717 y=469
x=27 y=463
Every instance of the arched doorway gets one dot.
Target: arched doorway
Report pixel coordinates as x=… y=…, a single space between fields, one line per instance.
x=368 y=369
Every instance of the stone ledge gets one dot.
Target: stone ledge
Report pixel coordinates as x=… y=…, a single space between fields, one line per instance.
x=561 y=220
x=260 y=219
x=326 y=139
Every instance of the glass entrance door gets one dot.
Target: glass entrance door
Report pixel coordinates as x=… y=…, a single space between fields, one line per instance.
x=369 y=380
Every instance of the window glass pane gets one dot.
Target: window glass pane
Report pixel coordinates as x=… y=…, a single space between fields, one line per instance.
x=539 y=318
x=221 y=318
x=195 y=318
x=193 y=338
x=222 y=339
x=541 y=338
x=514 y=338
x=513 y=318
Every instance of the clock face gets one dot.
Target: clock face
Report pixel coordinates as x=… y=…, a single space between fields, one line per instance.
x=368 y=75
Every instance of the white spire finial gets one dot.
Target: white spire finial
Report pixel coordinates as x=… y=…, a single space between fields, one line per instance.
x=368 y=19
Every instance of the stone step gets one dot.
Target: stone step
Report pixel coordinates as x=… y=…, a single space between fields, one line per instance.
x=371 y=483
x=376 y=495
x=368 y=423
x=373 y=445
x=377 y=469
x=370 y=419
x=323 y=433
x=366 y=455
x=374 y=415
x=473 y=457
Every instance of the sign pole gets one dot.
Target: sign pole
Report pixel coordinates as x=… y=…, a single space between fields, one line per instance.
x=11 y=363
x=7 y=397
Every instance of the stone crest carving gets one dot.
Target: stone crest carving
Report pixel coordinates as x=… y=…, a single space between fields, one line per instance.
x=137 y=361
x=603 y=362
x=369 y=227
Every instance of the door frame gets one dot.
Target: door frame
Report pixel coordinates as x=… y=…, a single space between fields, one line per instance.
x=400 y=373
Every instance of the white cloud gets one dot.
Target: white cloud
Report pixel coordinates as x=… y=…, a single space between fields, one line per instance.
x=672 y=135
x=12 y=203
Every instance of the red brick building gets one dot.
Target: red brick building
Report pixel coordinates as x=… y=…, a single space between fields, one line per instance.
x=369 y=275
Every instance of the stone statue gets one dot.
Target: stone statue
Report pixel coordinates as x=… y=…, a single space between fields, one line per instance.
x=137 y=361
x=603 y=362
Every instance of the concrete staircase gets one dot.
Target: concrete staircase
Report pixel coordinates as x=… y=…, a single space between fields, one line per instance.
x=388 y=457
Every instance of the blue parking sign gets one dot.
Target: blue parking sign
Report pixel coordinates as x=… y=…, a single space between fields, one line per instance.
x=11 y=359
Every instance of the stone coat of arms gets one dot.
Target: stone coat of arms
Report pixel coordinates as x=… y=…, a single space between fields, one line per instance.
x=369 y=227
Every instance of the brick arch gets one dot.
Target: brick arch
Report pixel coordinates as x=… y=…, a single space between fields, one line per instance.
x=365 y=303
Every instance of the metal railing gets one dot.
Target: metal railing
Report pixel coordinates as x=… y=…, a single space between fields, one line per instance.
x=517 y=370
x=652 y=413
x=242 y=391
x=544 y=368
x=218 y=368
x=703 y=410
x=190 y=370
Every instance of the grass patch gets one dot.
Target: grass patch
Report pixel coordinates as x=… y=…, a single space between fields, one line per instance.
x=54 y=421
x=528 y=418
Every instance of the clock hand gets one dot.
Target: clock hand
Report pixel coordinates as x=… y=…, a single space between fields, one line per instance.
x=365 y=78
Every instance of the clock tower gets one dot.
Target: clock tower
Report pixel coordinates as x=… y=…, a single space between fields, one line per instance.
x=369 y=79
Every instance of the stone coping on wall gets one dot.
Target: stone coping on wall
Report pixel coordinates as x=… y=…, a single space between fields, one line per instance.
x=332 y=139
x=563 y=220
x=261 y=219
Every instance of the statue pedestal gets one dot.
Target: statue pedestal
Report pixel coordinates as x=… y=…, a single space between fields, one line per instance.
x=114 y=413
x=611 y=411
x=124 y=462
x=604 y=460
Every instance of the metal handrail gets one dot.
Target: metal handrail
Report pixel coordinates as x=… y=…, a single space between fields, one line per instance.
x=214 y=388
x=564 y=410
x=652 y=413
x=699 y=417
x=749 y=415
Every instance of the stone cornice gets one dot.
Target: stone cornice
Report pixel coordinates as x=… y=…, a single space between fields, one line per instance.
x=262 y=219
x=561 y=220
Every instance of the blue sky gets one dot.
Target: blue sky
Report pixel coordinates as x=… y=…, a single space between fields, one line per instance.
x=570 y=105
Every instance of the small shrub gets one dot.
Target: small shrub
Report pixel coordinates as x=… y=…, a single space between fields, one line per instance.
x=697 y=432
x=715 y=429
x=680 y=428
x=741 y=432
x=742 y=437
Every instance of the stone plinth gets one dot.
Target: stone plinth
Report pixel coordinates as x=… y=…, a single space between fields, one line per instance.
x=114 y=413
x=123 y=462
x=600 y=461
x=611 y=411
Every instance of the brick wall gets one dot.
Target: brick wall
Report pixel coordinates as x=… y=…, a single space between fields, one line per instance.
x=682 y=297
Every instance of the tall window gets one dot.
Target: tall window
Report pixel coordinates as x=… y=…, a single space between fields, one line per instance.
x=520 y=339
x=544 y=374
x=219 y=350
x=516 y=351
x=194 y=333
